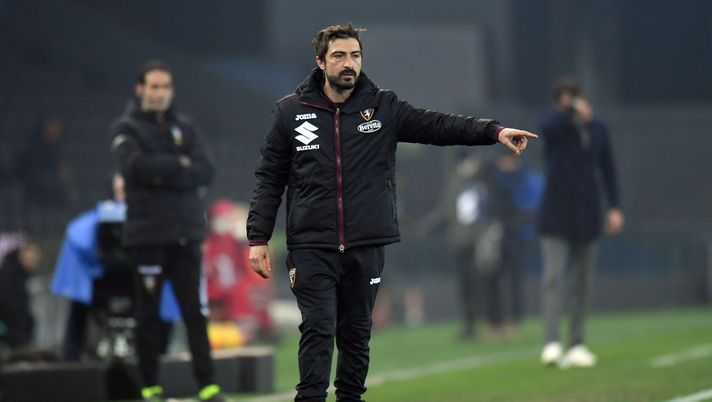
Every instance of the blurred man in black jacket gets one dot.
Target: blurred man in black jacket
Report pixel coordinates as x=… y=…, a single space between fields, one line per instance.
x=166 y=171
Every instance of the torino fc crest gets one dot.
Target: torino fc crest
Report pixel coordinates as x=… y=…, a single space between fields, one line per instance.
x=367 y=114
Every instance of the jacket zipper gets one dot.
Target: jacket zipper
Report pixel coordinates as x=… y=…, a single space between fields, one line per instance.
x=339 y=178
x=339 y=181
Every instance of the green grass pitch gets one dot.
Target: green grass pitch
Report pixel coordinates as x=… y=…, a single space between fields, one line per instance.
x=655 y=355
x=430 y=364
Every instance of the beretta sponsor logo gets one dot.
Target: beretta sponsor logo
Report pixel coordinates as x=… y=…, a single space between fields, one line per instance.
x=369 y=126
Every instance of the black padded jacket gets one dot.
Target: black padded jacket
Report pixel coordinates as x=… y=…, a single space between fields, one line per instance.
x=164 y=199
x=338 y=163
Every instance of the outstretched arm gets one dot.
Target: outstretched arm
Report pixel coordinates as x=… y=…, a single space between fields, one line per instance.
x=430 y=127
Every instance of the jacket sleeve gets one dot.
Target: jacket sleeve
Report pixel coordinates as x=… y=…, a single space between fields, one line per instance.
x=201 y=170
x=137 y=166
x=428 y=127
x=608 y=171
x=272 y=176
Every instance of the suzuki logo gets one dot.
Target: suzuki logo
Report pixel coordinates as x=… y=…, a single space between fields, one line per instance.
x=307 y=133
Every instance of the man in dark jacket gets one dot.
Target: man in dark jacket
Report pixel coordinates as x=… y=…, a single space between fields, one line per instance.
x=577 y=151
x=166 y=171
x=16 y=320
x=332 y=144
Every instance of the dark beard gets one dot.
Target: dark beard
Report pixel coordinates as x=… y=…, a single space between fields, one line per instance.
x=340 y=86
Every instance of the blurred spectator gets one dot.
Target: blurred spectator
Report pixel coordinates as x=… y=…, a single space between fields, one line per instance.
x=514 y=195
x=235 y=292
x=460 y=209
x=95 y=273
x=488 y=207
x=44 y=175
x=577 y=152
x=16 y=320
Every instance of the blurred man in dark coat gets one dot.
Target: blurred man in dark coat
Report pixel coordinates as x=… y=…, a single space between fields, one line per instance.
x=578 y=155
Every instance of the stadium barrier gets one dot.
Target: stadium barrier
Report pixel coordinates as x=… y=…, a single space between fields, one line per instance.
x=249 y=369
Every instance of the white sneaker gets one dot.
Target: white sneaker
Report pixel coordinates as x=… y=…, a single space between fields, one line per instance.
x=578 y=356
x=551 y=353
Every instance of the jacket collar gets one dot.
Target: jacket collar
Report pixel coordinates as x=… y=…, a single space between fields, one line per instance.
x=310 y=91
x=134 y=110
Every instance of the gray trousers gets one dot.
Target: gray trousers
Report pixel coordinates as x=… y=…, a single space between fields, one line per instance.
x=556 y=253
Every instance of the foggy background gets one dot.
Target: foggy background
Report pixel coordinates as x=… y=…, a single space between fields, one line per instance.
x=647 y=66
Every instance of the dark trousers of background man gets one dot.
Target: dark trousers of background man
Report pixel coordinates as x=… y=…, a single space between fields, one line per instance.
x=335 y=293
x=181 y=265
x=469 y=285
x=503 y=288
x=556 y=253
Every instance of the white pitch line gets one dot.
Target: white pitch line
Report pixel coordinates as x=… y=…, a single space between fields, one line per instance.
x=696 y=353
x=705 y=395
x=417 y=372
x=447 y=367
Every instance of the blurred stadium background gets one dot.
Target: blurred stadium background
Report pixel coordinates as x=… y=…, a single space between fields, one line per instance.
x=647 y=66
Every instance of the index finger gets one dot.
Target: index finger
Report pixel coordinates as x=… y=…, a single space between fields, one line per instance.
x=526 y=134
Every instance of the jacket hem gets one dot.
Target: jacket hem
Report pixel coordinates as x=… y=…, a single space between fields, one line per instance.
x=349 y=245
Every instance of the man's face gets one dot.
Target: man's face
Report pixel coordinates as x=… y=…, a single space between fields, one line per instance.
x=119 y=186
x=29 y=256
x=342 y=63
x=156 y=94
x=564 y=100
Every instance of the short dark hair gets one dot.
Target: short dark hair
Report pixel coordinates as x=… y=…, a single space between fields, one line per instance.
x=152 y=65
x=327 y=35
x=567 y=85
